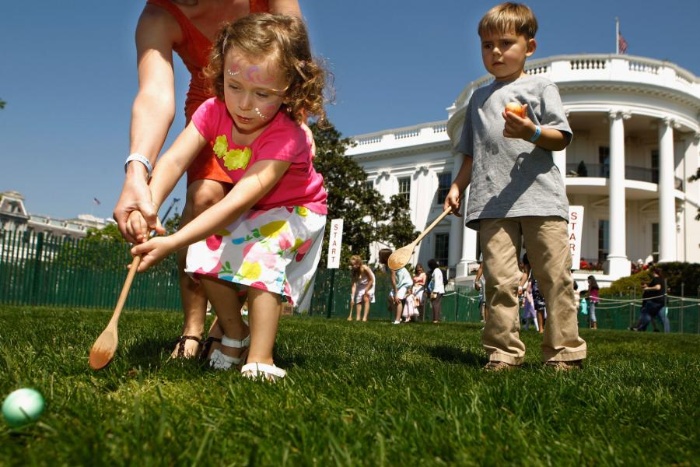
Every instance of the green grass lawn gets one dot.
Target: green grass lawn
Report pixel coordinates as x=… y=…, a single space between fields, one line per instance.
x=356 y=394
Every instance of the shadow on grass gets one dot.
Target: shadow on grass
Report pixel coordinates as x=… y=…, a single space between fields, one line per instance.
x=454 y=355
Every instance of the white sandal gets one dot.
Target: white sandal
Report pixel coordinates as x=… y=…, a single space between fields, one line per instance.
x=220 y=361
x=263 y=371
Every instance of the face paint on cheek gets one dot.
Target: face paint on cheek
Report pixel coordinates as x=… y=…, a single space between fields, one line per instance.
x=260 y=114
x=266 y=111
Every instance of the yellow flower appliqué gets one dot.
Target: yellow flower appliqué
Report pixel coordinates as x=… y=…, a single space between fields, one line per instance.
x=234 y=158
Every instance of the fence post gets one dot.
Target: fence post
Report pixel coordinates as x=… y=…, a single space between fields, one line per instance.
x=331 y=292
x=36 y=276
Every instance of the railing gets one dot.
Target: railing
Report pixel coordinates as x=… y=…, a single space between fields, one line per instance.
x=640 y=174
x=603 y=68
x=415 y=132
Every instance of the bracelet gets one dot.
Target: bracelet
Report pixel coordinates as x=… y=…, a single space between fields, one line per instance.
x=536 y=136
x=142 y=159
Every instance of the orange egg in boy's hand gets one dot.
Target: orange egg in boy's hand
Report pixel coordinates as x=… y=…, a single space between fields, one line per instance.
x=517 y=108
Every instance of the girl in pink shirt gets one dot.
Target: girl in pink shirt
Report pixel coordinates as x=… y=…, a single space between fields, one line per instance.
x=264 y=237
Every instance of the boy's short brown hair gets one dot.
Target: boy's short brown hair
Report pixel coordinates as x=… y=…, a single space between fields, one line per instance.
x=508 y=17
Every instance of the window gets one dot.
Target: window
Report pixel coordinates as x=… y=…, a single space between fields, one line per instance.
x=603 y=239
x=655 y=166
x=655 y=241
x=405 y=188
x=444 y=182
x=442 y=248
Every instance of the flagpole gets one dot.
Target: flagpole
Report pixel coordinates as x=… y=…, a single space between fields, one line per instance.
x=617 y=36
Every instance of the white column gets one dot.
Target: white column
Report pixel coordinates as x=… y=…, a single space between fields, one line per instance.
x=617 y=263
x=667 y=203
x=462 y=239
x=560 y=162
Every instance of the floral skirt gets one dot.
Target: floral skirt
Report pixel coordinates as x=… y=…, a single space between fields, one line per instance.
x=275 y=250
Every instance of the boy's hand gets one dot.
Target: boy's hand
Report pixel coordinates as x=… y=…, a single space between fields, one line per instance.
x=153 y=251
x=517 y=126
x=453 y=200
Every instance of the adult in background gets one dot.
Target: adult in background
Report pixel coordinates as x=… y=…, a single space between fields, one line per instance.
x=654 y=299
x=186 y=28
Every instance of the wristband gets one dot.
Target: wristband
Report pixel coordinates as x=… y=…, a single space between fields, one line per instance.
x=536 y=136
x=139 y=158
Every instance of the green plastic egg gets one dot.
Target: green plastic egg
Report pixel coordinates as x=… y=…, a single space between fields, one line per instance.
x=22 y=406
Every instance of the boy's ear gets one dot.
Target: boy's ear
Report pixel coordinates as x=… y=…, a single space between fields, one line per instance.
x=531 y=47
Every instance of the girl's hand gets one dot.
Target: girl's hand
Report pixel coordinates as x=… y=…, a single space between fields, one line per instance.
x=153 y=251
x=517 y=126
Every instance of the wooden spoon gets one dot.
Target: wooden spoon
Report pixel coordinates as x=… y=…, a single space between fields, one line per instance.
x=400 y=257
x=102 y=351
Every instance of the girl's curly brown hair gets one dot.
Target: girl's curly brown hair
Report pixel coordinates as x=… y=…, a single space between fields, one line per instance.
x=284 y=38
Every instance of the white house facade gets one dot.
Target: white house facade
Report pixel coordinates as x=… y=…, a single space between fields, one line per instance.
x=636 y=141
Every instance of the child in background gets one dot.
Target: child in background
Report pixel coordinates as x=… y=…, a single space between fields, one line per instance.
x=419 y=280
x=401 y=283
x=362 y=289
x=265 y=235
x=479 y=283
x=529 y=314
x=437 y=289
x=518 y=192
x=592 y=301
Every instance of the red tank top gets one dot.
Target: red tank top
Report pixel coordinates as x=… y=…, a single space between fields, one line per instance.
x=194 y=51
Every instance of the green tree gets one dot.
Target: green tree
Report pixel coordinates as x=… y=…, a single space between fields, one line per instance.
x=172 y=223
x=367 y=217
x=2 y=104
x=108 y=233
x=100 y=250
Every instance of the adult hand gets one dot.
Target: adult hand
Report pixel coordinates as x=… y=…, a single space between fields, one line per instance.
x=135 y=196
x=138 y=228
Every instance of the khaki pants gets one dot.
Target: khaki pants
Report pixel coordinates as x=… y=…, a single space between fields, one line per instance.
x=546 y=241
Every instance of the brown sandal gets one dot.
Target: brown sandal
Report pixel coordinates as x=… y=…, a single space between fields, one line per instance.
x=180 y=346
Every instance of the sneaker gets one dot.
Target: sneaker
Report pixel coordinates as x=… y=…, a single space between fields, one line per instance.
x=396 y=322
x=496 y=366
x=565 y=366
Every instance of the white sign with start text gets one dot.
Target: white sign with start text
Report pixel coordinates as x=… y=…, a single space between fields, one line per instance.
x=575 y=231
x=335 y=241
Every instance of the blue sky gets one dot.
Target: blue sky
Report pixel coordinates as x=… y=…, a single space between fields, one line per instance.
x=67 y=73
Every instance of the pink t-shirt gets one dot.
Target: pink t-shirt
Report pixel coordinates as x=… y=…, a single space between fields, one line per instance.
x=282 y=140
